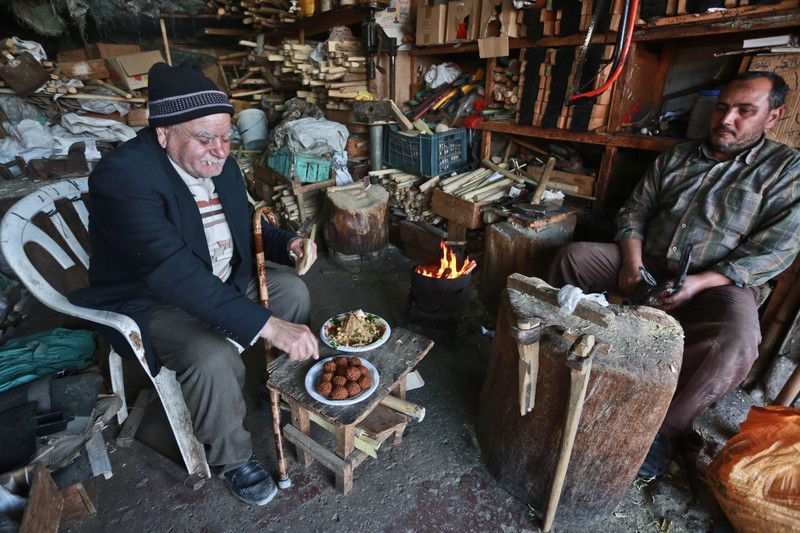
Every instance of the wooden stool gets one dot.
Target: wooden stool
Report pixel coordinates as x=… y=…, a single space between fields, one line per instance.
x=360 y=428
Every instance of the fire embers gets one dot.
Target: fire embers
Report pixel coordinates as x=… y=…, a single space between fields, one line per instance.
x=343 y=378
x=448 y=266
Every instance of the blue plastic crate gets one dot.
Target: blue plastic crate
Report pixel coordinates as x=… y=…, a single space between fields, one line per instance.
x=427 y=155
x=307 y=168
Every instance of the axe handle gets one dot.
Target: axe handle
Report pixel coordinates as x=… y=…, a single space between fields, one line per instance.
x=577 y=392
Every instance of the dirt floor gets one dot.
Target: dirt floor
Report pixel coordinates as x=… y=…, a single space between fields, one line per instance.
x=434 y=480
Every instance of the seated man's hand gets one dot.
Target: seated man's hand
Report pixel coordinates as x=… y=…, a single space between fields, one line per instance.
x=629 y=279
x=302 y=246
x=294 y=339
x=668 y=302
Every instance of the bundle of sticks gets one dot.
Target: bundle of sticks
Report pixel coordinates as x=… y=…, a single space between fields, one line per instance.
x=267 y=14
x=409 y=195
x=480 y=185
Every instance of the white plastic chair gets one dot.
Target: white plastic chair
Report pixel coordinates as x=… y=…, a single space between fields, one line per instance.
x=61 y=203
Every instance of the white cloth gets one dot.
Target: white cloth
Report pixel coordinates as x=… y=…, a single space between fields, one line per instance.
x=569 y=296
x=101 y=128
x=438 y=75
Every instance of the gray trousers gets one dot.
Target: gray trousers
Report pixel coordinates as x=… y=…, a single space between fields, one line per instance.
x=720 y=325
x=210 y=370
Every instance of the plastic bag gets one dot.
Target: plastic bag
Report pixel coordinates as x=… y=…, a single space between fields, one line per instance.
x=756 y=476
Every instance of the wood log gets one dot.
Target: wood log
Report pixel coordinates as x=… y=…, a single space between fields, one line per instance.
x=638 y=377
x=357 y=225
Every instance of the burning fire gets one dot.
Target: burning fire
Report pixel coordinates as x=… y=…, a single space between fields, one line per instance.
x=447 y=266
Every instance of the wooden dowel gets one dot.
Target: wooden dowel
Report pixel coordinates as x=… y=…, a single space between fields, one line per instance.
x=166 y=41
x=413 y=410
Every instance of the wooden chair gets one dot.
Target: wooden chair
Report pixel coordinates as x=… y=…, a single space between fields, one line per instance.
x=50 y=270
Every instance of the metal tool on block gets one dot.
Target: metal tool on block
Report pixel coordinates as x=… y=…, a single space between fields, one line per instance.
x=527 y=334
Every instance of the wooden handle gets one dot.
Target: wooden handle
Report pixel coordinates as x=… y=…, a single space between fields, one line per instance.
x=413 y=410
x=548 y=172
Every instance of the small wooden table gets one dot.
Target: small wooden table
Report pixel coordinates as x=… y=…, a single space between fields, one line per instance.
x=393 y=361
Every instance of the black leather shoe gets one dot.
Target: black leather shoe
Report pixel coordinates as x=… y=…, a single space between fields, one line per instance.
x=251 y=483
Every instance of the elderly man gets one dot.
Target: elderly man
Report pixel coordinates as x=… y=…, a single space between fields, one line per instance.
x=171 y=237
x=736 y=199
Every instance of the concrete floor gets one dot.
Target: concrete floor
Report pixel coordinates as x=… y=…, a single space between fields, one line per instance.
x=434 y=480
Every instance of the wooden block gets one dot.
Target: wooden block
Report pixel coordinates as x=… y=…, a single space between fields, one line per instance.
x=91 y=69
x=137 y=117
x=128 y=431
x=463 y=212
x=43 y=509
x=79 y=502
x=382 y=422
x=329 y=459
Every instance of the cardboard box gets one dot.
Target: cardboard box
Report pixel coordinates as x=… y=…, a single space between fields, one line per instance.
x=130 y=71
x=88 y=69
x=502 y=11
x=431 y=23
x=463 y=20
x=493 y=47
x=106 y=50
x=787 y=66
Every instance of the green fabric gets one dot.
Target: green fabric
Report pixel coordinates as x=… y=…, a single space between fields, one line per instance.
x=44 y=354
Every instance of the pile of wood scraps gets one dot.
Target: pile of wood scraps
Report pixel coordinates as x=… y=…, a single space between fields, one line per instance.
x=506 y=85
x=76 y=74
x=265 y=14
x=409 y=195
x=480 y=185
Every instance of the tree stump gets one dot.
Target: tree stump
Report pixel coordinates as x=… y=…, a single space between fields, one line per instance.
x=627 y=396
x=356 y=228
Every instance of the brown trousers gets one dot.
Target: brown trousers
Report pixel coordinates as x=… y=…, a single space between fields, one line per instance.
x=720 y=325
x=211 y=372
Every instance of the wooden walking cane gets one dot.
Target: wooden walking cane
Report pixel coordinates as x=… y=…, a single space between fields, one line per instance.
x=263 y=297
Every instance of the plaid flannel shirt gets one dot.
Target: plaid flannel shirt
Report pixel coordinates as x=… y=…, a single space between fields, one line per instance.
x=742 y=216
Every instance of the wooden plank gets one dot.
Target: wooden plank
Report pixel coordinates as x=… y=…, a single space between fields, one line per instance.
x=78 y=503
x=330 y=460
x=128 y=430
x=382 y=422
x=43 y=509
x=459 y=210
x=91 y=69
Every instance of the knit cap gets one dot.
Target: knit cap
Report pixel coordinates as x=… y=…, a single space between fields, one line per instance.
x=183 y=93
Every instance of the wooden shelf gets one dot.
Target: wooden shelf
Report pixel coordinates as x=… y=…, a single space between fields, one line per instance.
x=620 y=140
x=320 y=23
x=759 y=18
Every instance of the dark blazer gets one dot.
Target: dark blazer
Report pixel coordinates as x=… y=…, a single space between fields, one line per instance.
x=149 y=247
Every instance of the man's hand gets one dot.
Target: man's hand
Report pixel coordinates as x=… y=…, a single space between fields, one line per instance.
x=629 y=277
x=300 y=246
x=692 y=286
x=294 y=339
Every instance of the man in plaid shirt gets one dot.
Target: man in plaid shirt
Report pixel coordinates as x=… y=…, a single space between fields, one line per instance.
x=734 y=197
